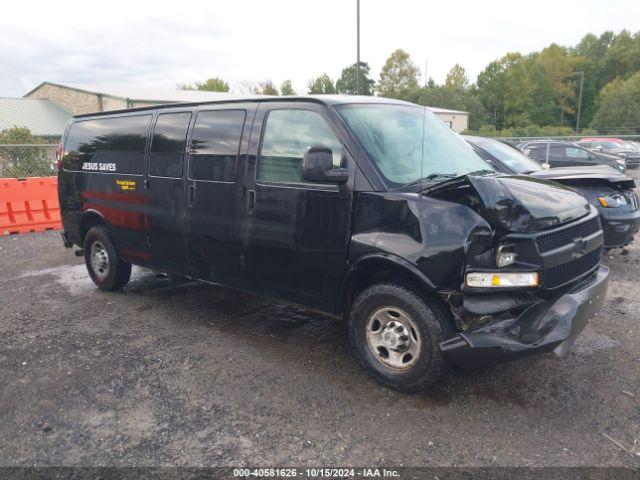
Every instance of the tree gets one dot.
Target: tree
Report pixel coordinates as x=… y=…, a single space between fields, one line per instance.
x=214 y=84
x=622 y=58
x=321 y=84
x=619 y=104
x=542 y=88
x=540 y=106
x=559 y=68
x=399 y=75
x=21 y=161
x=457 y=78
x=18 y=136
x=347 y=81
x=286 y=88
x=267 y=88
x=455 y=99
x=492 y=83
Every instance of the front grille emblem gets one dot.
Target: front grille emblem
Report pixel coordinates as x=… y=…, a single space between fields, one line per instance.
x=579 y=247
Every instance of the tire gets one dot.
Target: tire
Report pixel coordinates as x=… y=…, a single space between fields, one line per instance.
x=411 y=337
x=106 y=270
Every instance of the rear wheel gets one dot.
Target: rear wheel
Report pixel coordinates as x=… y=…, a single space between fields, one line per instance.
x=106 y=270
x=397 y=334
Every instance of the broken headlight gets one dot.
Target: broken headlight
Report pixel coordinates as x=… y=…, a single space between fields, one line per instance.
x=505 y=256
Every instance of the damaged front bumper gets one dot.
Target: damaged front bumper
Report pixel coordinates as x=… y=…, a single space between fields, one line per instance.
x=542 y=327
x=619 y=231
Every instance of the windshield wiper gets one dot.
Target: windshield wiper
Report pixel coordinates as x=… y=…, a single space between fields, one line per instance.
x=447 y=176
x=484 y=171
x=431 y=177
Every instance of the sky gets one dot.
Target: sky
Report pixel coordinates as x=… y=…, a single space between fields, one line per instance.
x=166 y=43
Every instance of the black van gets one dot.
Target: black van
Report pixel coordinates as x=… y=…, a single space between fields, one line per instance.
x=364 y=208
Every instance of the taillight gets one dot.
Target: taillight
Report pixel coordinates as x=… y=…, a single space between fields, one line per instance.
x=59 y=157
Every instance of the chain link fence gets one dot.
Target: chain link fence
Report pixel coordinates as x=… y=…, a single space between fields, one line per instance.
x=515 y=139
x=28 y=160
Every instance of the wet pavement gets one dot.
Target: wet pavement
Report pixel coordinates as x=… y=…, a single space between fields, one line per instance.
x=171 y=372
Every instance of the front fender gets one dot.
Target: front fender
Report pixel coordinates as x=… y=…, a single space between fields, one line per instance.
x=381 y=260
x=430 y=237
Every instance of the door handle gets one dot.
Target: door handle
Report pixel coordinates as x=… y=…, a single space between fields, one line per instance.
x=251 y=202
x=192 y=194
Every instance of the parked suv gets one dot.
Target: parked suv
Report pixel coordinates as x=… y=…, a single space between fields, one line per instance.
x=614 y=146
x=611 y=192
x=364 y=208
x=569 y=154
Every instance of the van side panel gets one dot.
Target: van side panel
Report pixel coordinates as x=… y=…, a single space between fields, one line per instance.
x=102 y=175
x=165 y=192
x=296 y=233
x=216 y=194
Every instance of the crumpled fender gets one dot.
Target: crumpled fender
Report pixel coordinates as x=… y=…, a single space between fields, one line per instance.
x=516 y=204
x=433 y=236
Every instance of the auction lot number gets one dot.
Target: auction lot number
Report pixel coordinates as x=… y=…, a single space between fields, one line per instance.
x=315 y=472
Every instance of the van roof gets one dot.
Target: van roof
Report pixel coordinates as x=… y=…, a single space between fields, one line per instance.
x=321 y=99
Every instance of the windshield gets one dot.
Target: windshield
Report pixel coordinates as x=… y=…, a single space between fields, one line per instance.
x=408 y=143
x=511 y=157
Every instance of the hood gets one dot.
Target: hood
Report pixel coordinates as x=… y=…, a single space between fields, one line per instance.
x=614 y=151
x=514 y=203
x=595 y=174
x=608 y=156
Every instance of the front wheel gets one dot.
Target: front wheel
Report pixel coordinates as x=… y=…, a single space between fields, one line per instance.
x=397 y=334
x=107 y=271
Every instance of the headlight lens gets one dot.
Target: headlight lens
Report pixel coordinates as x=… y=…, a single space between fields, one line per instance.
x=612 y=201
x=504 y=257
x=502 y=279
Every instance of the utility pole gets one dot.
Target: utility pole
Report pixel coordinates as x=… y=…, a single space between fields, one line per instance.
x=358 y=47
x=426 y=65
x=579 y=100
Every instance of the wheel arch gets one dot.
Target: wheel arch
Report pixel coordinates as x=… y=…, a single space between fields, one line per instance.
x=90 y=218
x=379 y=268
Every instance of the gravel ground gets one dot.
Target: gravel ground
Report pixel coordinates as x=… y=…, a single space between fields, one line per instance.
x=186 y=374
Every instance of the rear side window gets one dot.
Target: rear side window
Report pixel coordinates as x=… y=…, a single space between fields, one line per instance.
x=288 y=134
x=557 y=152
x=536 y=152
x=166 y=156
x=215 y=144
x=107 y=145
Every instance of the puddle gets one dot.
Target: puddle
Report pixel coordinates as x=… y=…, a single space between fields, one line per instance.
x=76 y=279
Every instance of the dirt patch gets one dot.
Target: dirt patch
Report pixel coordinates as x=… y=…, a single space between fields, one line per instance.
x=181 y=373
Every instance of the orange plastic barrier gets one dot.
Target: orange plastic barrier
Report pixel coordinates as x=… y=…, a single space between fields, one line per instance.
x=29 y=205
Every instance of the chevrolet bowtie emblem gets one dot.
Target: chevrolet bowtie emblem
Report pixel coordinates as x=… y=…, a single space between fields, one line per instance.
x=579 y=247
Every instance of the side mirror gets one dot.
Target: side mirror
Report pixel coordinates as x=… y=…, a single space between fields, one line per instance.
x=317 y=166
x=598 y=148
x=546 y=166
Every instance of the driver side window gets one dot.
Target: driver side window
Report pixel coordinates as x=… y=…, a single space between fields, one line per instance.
x=288 y=134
